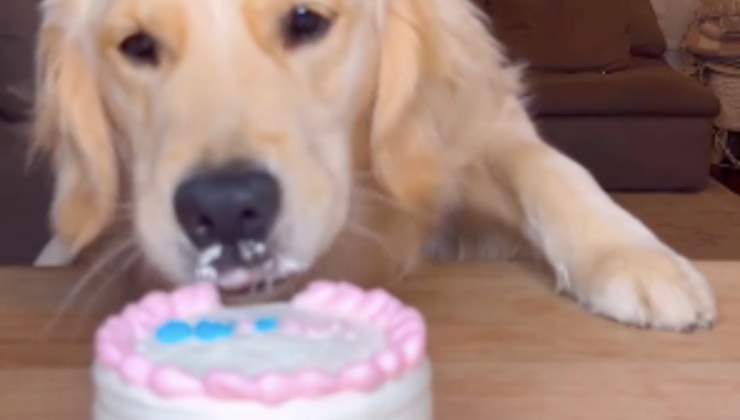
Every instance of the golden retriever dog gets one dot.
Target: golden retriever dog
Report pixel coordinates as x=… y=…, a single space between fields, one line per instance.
x=252 y=143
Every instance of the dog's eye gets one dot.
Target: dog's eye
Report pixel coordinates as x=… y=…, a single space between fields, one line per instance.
x=141 y=48
x=303 y=25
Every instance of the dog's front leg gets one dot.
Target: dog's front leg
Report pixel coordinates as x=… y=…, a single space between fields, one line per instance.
x=603 y=256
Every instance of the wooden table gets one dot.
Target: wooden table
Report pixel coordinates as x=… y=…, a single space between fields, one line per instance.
x=504 y=347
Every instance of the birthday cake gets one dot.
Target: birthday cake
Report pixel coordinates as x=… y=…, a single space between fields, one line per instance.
x=334 y=352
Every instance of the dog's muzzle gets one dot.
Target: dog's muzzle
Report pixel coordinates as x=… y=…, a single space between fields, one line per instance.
x=228 y=215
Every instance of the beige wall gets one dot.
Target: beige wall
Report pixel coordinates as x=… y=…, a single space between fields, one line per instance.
x=674 y=17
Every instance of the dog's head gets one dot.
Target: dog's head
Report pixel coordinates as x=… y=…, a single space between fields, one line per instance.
x=236 y=128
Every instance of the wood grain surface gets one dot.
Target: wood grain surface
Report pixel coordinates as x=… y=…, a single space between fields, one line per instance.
x=503 y=347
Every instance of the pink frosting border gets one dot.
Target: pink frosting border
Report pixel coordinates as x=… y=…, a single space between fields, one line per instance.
x=404 y=326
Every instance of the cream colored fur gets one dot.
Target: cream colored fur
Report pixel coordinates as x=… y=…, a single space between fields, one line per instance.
x=403 y=123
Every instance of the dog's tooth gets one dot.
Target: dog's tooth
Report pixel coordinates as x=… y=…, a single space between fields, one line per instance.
x=210 y=254
x=288 y=266
x=260 y=248
x=248 y=250
x=206 y=273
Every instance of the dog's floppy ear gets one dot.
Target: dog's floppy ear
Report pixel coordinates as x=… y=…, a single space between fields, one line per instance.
x=434 y=54
x=70 y=127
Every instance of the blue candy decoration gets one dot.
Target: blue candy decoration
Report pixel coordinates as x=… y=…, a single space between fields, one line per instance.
x=174 y=332
x=266 y=324
x=211 y=331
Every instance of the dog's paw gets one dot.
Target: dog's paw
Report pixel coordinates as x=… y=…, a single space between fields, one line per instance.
x=649 y=286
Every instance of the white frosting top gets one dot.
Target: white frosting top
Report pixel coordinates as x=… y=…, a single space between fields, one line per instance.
x=304 y=340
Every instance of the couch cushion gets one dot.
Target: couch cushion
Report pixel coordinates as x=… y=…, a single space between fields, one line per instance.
x=634 y=152
x=18 y=26
x=650 y=87
x=26 y=194
x=16 y=102
x=564 y=35
x=646 y=37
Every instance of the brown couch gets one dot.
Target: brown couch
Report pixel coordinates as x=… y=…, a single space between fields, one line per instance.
x=602 y=93
x=25 y=191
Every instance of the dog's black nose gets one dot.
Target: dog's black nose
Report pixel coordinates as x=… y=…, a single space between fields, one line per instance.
x=228 y=205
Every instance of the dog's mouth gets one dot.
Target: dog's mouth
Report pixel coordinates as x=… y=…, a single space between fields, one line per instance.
x=247 y=268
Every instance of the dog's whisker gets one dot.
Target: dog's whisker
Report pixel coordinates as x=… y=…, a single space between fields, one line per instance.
x=377 y=196
x=363 y=175
x=84 y=281
x=125 y=205
x=383 y=199
x=374 y=237
x=126 y=262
